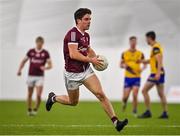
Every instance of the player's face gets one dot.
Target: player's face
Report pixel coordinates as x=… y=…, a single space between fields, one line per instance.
x=39 y=44
x=133 y=43
x=85 y=22
x=148 y=40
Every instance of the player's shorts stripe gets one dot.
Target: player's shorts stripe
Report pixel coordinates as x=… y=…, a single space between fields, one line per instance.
x=69 y=43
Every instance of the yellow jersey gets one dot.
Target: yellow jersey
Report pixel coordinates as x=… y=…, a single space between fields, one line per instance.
x=156 y=49
x=131 y=59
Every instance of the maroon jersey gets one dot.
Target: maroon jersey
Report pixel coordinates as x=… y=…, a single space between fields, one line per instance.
x=37 y=59
x=82 y=40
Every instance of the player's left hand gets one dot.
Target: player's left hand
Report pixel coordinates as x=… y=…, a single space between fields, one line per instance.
x=157 y=76
x=96 y=61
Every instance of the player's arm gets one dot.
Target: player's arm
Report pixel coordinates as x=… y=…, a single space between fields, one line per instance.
x=158 y=56
x=145 y=62
x=76 y=55
x=48 y=65
x=125 y=66
x=23 y=62
x=159 y=65
x=91 y=53
x=122 y=62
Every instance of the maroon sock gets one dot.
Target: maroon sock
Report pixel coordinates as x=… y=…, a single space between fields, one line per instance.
x=114 y=120
x=29 y=109
x=35 y=109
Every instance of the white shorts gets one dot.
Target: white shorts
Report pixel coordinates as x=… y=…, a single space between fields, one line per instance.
x=35 y=81
x=74 y=80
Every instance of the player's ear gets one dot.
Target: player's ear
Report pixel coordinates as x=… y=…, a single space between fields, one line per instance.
x=78 y=21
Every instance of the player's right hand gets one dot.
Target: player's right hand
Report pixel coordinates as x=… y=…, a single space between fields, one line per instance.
x=19 y=73
x=96 y=61
x=157 y=76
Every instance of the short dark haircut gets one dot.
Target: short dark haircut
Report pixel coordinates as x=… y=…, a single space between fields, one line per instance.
x=79 y=14
x=40 y=39
x=151 y=34
x=132 y=38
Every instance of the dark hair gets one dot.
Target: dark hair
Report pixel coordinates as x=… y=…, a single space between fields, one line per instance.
x=132 y=38
x=79 y=14
x=151 y=34
x=40 y=39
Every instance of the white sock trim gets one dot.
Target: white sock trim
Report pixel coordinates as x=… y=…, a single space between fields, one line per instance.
x=115 y=123
x=53 y=98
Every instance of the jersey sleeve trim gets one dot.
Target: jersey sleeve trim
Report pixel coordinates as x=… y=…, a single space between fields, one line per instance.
x=156 y=51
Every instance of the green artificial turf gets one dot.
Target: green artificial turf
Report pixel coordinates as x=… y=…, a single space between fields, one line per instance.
x=87 y=118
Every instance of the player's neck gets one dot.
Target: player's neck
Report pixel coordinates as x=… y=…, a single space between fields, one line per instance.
x=153 y=42
x=132 y=49
x=82 y=31
x=38 y=50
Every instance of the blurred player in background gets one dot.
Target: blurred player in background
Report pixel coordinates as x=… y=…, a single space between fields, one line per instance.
x=157 y=76
x=38 y=58
x=78 y=55
x=130 y=61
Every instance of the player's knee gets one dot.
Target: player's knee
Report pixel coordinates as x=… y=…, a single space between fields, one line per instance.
x=29 y=95
x=135 y=96
x=161 y=95
x=144 y=92
x=73 y=103
x=39 y=97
